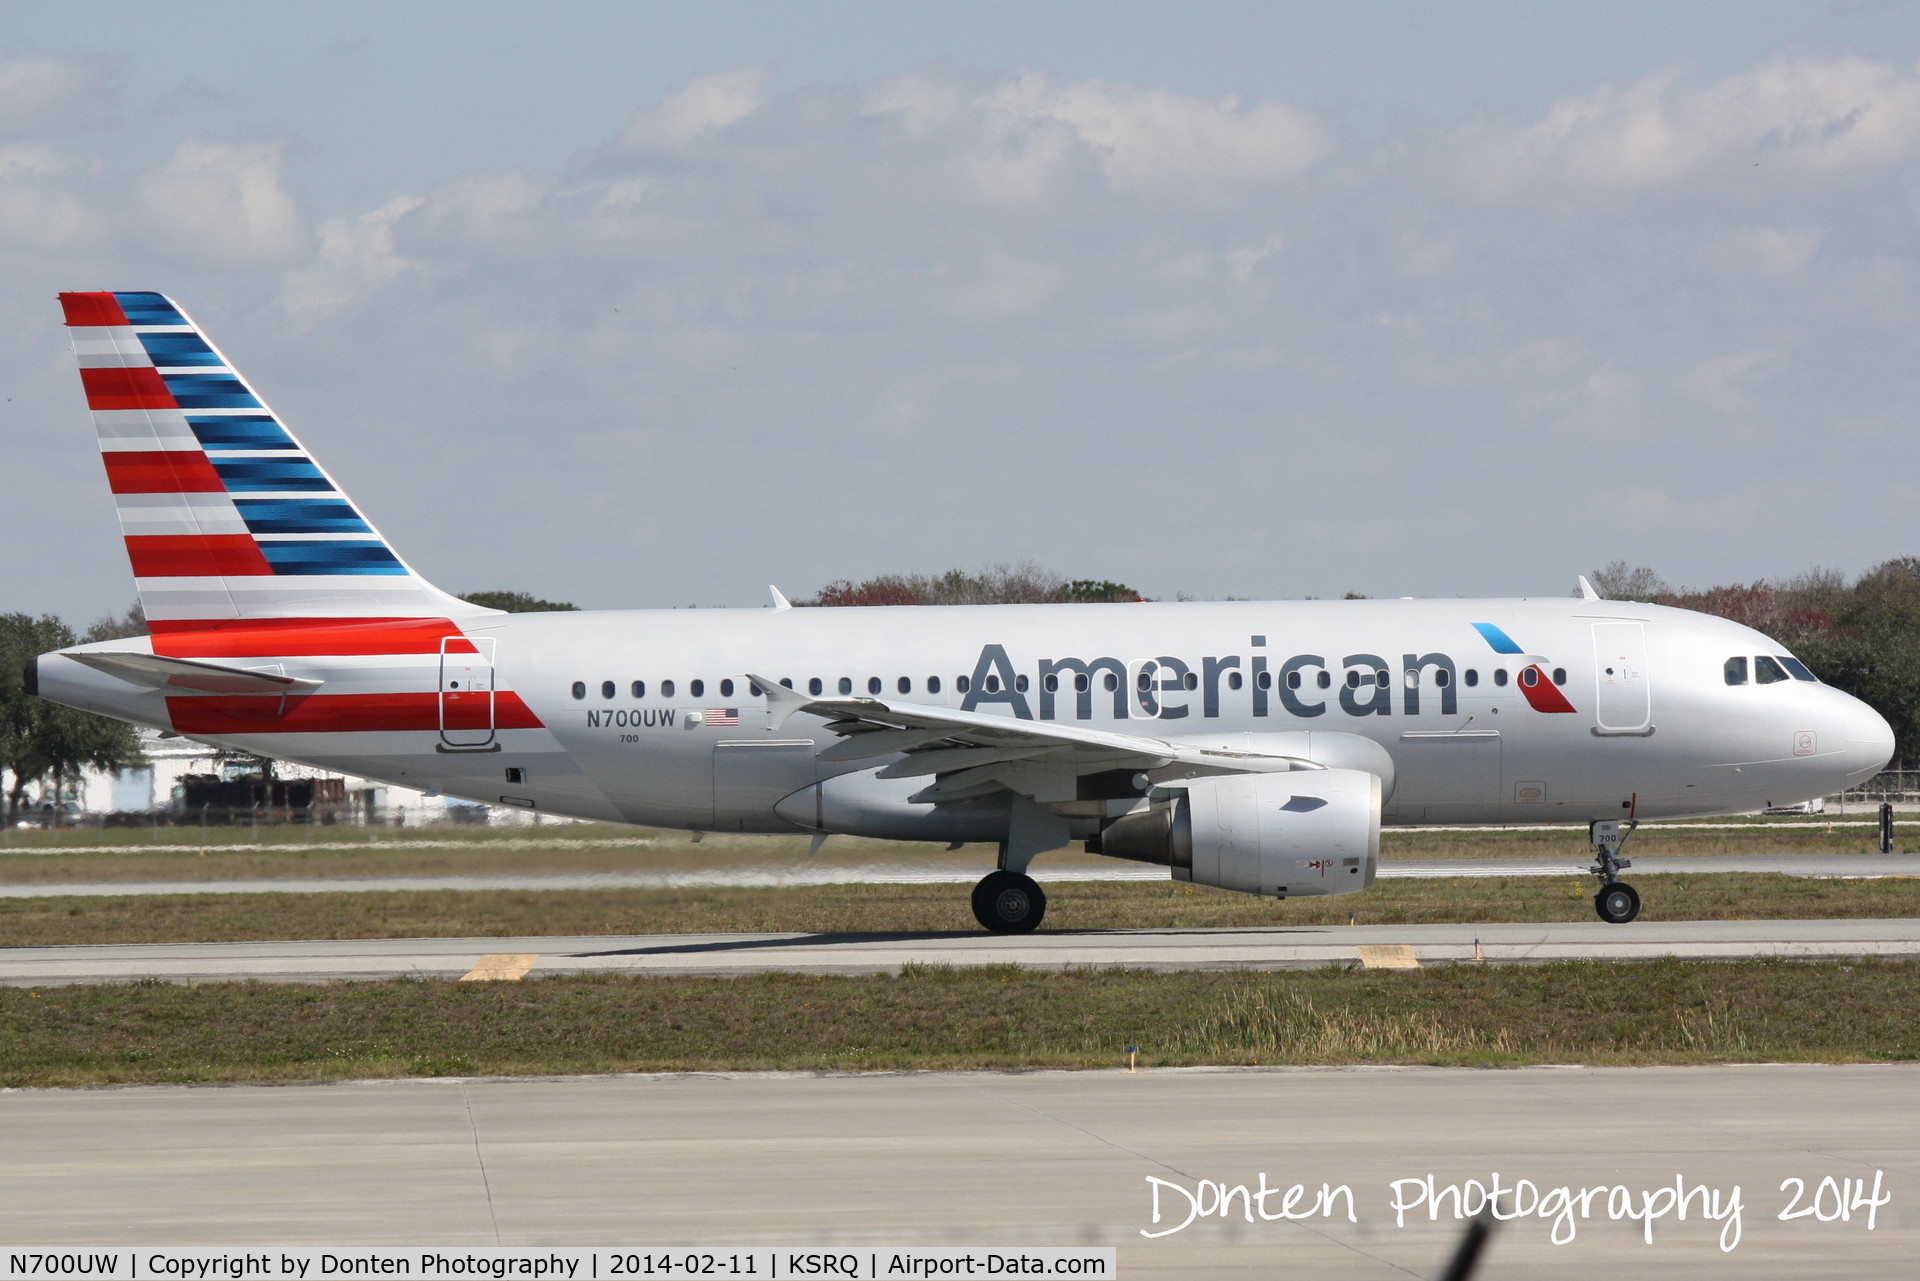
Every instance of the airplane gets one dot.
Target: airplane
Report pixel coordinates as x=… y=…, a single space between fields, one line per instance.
x=1251 y=746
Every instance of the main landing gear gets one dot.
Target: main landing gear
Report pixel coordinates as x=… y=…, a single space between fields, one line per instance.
x=1617 y=902
x=1009 y=902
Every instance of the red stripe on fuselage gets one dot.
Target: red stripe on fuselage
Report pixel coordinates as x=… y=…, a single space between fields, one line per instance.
x=306 y=637
x=331 y=714
x=1543 y=695
x=161 y=471
x=92 y=310
x=122 y=388
x=195 y=555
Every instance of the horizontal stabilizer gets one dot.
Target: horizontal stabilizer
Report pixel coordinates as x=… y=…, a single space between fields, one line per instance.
x=186 y=676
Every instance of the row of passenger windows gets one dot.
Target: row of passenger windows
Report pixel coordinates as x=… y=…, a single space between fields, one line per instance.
x=1146 y=680
x=1766 y=669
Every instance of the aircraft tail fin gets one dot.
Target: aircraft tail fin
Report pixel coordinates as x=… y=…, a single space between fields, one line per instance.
x=226 y=515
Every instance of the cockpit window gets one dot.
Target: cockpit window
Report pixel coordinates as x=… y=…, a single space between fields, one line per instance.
x=1736 y=670
x=1766 y=671
x=1798 y=668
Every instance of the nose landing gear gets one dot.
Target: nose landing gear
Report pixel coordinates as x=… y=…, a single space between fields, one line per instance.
x=1617 y=902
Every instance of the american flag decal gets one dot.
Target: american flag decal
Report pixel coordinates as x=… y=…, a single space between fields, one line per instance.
x=721 y=716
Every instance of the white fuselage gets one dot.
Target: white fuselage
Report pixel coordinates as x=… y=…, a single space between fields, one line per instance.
x=570 y=713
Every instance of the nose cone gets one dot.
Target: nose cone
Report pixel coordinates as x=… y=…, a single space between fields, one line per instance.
x=1869 y=743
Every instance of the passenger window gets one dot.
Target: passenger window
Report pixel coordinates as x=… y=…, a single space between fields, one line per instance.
x=1233 y=680
x=579 y=689
x=1265 y=679
x=1020 y=684
x=933 y=684
x=1293 y=679
x=1413 y=678
x=1766 y=671
x=1559 y=676
x=697 y=688
x=1801 y=672
x=1381 y=678
x=1499 y=676
x=726 y=688
x=1050 y=684
x=1353 y=680
x=962 y=684
x=639 y=689
x=1324 y=680
x=846 y=684
x=1473 y=678
x=904 y=685
x=784 y=680
x=993 y=684
x=606 y=689
x=1192 y=681
x=1530 y=677
x=1441 y=677
x=1081 y=683
x=666 y=689
x=1112 y=682
x=874 y=686
x=1144 y=680
x=813 y=685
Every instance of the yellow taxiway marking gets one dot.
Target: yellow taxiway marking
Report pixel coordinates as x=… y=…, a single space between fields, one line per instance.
x=499 y=967
x=1388 y=956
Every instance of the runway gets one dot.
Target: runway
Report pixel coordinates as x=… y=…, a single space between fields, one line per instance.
x=996 y=1159
x=1294 y=947
x=1865 y=866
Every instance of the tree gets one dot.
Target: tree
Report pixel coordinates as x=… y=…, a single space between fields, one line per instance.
x=1019 y=583
x=131 y=623
x=518 y=603
x=1618 y=581
x=38 y=737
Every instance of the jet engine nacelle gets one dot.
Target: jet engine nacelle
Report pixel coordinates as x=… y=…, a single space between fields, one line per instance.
x=1279 y=835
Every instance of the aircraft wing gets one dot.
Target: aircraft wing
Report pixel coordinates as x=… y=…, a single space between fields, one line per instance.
x=966 y=754
x=191 y=676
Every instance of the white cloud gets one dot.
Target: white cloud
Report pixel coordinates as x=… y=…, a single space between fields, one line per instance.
x=1738 y=139
x=49 y=93
x=225 y=205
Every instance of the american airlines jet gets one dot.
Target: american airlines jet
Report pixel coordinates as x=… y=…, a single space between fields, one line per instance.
x=1251 y=746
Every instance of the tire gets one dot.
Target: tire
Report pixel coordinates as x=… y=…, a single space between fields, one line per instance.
x=1009 y=903
x=1617 y=903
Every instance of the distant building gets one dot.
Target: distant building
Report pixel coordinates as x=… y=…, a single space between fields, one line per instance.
x=177 y=767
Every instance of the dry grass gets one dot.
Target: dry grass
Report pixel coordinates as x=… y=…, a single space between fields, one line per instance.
x=1004 y=1017
x=858 y=909
x=587 y=849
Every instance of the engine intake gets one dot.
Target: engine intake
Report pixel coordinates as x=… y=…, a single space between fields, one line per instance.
x=1306 y=832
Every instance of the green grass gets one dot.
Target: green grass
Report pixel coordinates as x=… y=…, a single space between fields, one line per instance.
x=1072 y=905
x=1003 y=1017
x=134 y=854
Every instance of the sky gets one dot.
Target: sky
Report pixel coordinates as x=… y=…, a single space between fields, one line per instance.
x=653 y=305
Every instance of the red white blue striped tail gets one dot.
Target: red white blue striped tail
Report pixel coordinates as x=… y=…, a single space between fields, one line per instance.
x=226 y=515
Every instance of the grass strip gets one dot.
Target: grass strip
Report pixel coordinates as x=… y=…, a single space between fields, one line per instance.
x=1660 y=1012
x=858 y=909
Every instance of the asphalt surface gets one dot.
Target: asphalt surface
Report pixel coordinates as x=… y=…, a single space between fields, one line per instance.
x=728 y=954
x=1865 y=866
x=996 y=1159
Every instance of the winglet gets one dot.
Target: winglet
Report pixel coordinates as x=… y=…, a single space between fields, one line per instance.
x=779 y=601
x=781 y=701
x=1586 y=589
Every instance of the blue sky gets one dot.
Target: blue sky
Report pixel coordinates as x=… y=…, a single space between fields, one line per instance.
x=642 y=304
